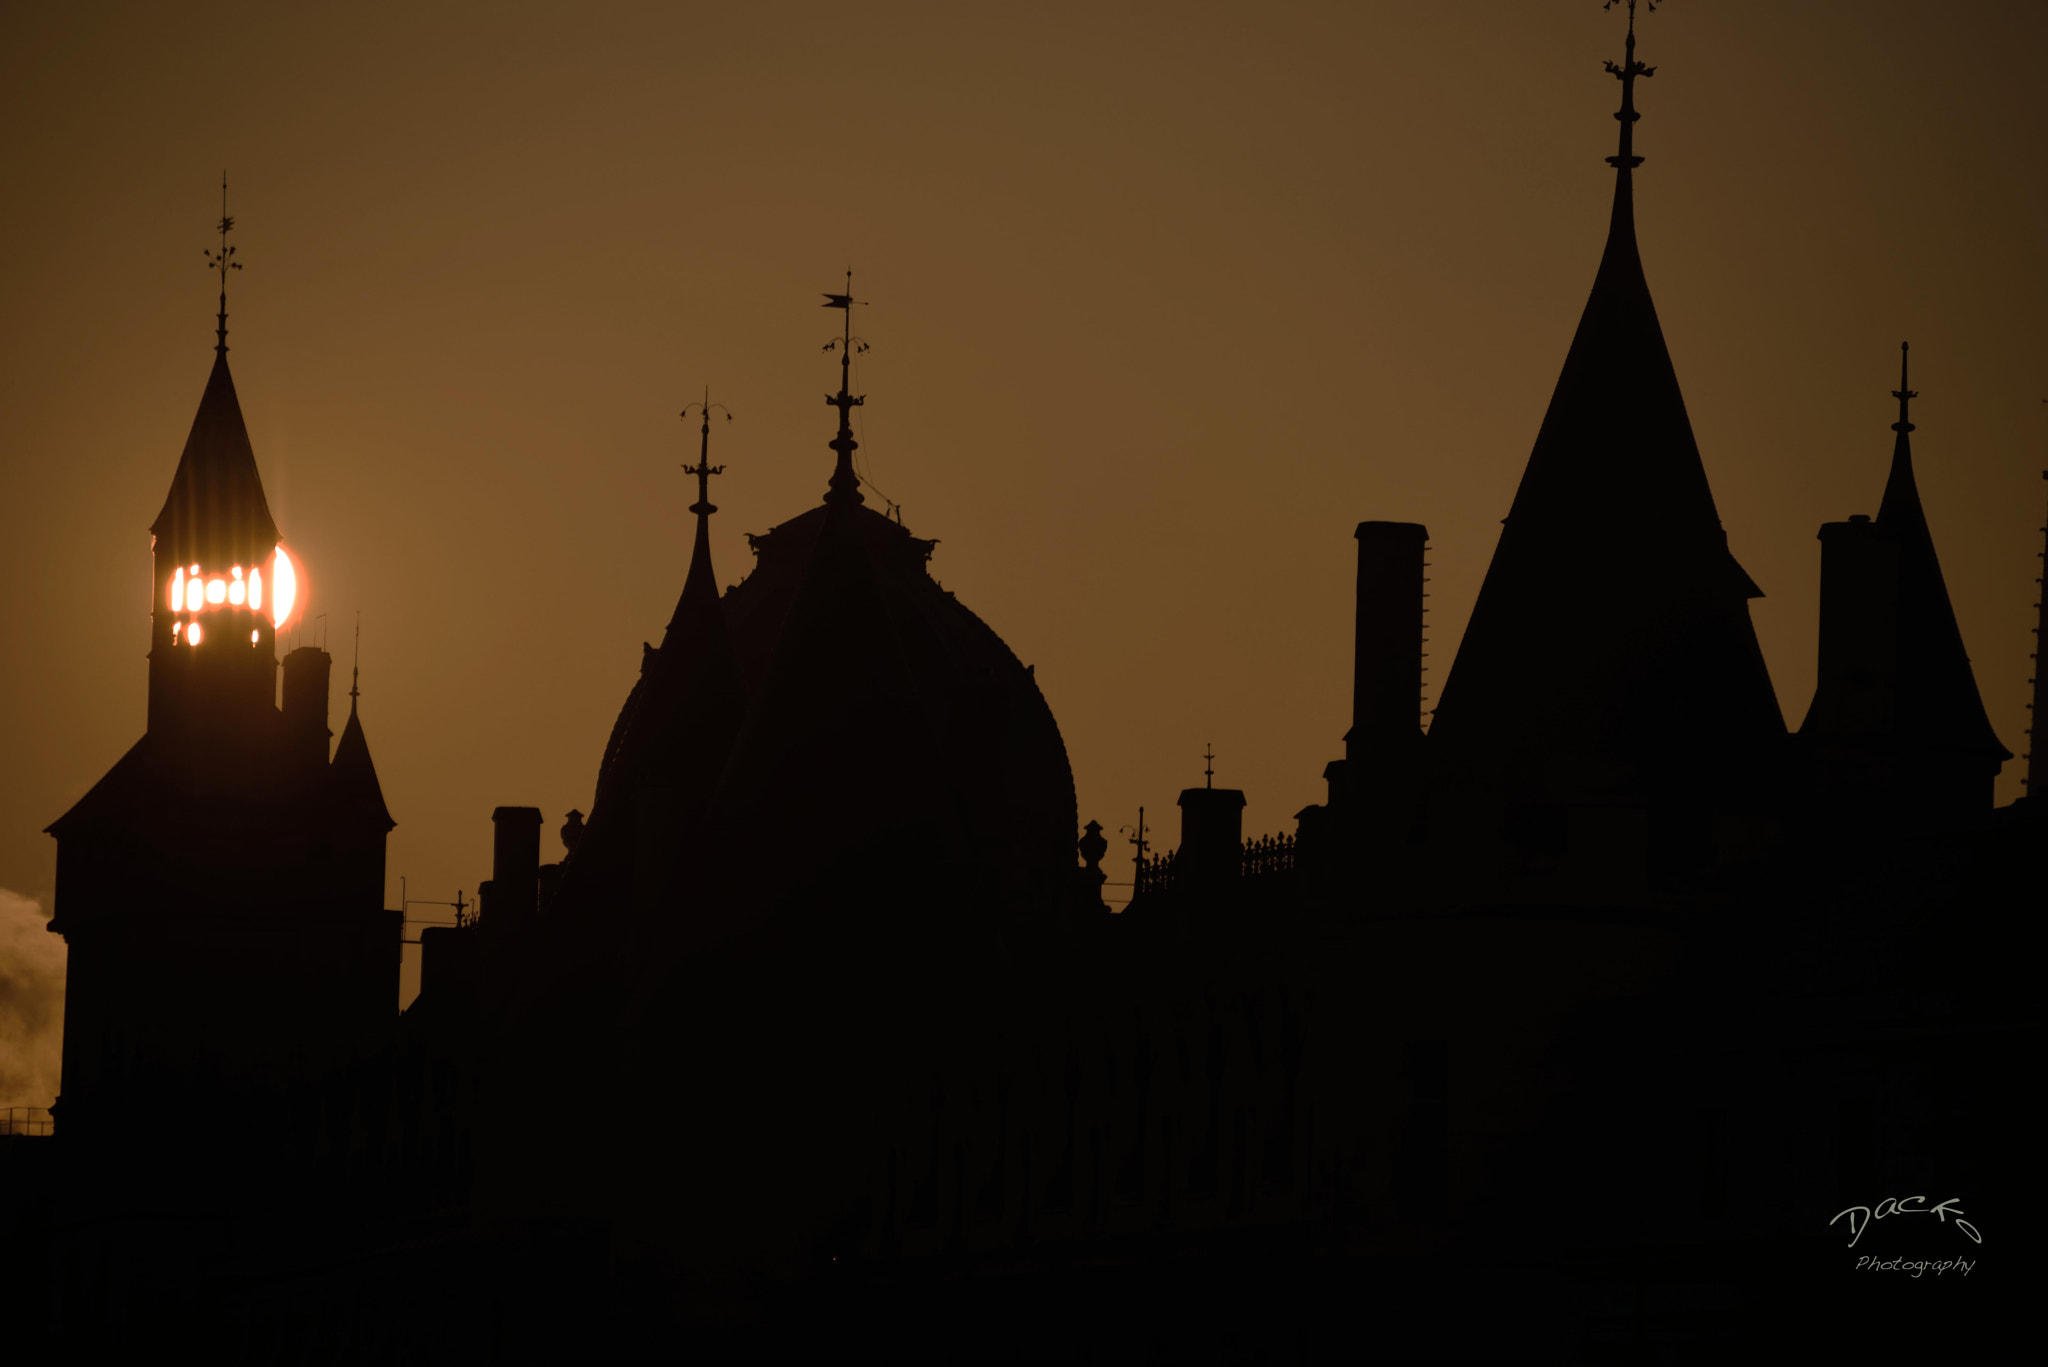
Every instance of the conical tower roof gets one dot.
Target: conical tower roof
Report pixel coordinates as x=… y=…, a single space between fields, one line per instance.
x=352 y=777
x=1613 y=620
x=1939 y=705
x=215 y=512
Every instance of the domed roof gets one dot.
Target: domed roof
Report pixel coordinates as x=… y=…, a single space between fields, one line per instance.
x=882 y=723
x=842 y=629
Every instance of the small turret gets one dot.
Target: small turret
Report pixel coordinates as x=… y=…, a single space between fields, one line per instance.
x=1896 y=721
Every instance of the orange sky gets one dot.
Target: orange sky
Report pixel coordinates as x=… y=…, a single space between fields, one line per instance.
x=1165 y=299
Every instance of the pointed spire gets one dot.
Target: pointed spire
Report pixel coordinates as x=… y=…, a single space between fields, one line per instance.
x=215 y=511
x=1900 y=508
x=223 y=261
x=701 y=581
x=1614 y=500
x=845 y=485
x=353 y=776
x=1939 y=704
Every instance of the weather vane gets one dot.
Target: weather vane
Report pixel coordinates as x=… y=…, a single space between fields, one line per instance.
x=845 y=483
x=1140 y=845
x=1626 y=73
x=704 y=469
x=223 y=261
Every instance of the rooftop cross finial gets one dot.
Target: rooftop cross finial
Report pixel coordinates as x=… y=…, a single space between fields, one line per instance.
x=223 y=261
x=355 y=673
x=1903 y=394
x=1626 y=73
x=1209 y=766
x=845 y=485
x=704 y=469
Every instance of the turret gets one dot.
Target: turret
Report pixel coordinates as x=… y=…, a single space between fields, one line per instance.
x=223 y=864
x=1896 y=723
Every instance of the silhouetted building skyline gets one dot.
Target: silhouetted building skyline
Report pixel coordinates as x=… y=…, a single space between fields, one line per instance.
x=855 y=1051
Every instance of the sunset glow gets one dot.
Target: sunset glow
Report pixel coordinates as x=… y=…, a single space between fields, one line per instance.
x=284 y=588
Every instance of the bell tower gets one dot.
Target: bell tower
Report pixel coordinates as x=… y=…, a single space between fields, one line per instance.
x=221 y=888
x=224 y=583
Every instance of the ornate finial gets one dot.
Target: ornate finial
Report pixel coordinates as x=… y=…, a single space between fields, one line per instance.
x=223 y=261
x=1903 y=394
x=845 y=485
x=1209 y=766
x=1092 y=846
x=1626 y=73
x=355 y=673
x=704 y=469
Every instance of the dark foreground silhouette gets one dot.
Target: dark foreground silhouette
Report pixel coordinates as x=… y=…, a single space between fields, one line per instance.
x=1598 y=1023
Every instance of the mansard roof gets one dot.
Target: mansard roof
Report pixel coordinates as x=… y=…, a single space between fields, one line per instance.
x=215 y=512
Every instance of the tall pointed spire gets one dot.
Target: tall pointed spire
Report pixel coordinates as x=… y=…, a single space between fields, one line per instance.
x=215 y=511
x=1612 y=629
x=845 y=485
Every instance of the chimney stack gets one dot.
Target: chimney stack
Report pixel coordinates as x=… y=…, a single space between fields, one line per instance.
x=515 y=867
x=1856 y=693
x=306 y=674
x=1386 y=689
x=1211 y=850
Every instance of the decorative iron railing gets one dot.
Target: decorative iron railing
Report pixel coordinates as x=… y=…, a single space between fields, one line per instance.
x=1268 y=856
